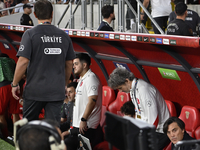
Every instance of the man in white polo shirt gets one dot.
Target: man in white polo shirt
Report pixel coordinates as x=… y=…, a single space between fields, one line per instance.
x=87 y=108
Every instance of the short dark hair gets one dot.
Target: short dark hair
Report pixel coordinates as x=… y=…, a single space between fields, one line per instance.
x=180 y=9
x=34 y=139
x=128 y=108
x=169 y=121
x=107 y=10
x=177 y=1
x=83 y=57
x=43 y=9
x=72 y=84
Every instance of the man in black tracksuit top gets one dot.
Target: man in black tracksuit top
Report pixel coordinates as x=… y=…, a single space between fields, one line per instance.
x=25 y=18
x=179 y=26
x=192 y=19
x=108 y=15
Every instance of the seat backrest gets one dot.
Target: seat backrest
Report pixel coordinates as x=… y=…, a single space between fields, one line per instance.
x=190 y=115
x=115 y=106
x=108 y=96
x=168 y=147
x=171 y=108
x=197 y=133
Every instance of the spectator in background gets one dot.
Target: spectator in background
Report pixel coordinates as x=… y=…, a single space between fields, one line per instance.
x=10 y=3
x=25 y=18
x=7 y=102
x=192 y=18
x=160 y=10
x=108 y=15
x=149 y=103
x=174 y=128
x=179 y=26
x=20 y=3
x=4 y=13
x=67 y=113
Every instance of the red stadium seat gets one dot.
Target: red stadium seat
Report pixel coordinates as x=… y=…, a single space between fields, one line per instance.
x=108 y=96
x=171 y=108
x=168 y=147
x=197 y=133
x=104 y=146
x=115 y=106
x=190 y=115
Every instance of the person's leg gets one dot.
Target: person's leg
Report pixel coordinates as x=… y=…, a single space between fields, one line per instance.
x=4 y=128
x=53 y=110
x=128 y=27
x=159 y=21
x=4 y=103
x=94 y=135
x=72 y=141
x=165 y=19
x=32 y=109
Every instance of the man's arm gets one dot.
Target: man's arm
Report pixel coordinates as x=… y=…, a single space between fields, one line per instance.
x=88 y=110
x=146 y=4
x=68 y=71
x=21 y=67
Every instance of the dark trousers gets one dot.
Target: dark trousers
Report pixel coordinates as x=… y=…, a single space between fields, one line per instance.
x=163 y=140
x=162 y=22
x=94 y=135
x=32 y=109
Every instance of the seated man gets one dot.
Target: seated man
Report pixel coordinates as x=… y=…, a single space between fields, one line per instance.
x=149 y=104
x=128 y=109
x=175 y=130
x=67 y=112
x=179 y=26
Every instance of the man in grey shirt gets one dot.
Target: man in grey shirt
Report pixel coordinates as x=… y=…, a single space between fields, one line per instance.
x=46 y=52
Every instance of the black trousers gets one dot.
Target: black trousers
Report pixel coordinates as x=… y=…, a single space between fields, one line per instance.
x=32 y=109
x=94 y=135
x=162 y=22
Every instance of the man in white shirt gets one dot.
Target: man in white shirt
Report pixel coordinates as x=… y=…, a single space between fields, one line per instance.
x=88 y=102
x=149 y=103
x=20 y=9
x=160 y=10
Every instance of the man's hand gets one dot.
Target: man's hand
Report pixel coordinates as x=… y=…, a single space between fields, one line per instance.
x=15 y=91
x=83 y=127
x=65 y=133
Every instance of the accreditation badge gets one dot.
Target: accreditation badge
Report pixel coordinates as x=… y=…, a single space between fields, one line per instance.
x=138 y=116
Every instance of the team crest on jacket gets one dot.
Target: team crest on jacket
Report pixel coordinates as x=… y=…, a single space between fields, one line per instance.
x=149 y=103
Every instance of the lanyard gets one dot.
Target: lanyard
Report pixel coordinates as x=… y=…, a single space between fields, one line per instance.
x=134 y=91
x=45 y=22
